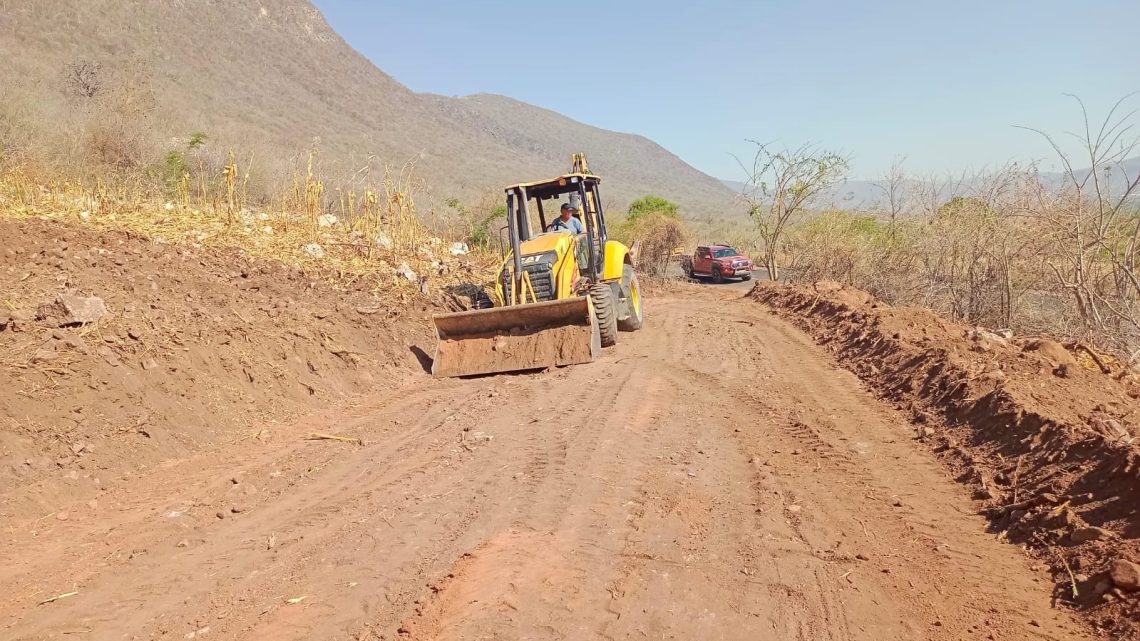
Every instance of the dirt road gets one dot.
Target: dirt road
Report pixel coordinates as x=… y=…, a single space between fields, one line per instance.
x=713 y=477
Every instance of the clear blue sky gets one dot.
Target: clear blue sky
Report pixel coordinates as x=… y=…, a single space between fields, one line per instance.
x=941 y=83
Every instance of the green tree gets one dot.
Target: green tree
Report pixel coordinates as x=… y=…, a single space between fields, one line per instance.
x=651 y=204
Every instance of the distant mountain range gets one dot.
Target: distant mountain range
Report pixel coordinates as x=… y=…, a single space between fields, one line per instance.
x=871 y=195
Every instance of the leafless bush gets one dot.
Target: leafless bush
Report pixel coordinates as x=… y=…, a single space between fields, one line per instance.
x=84 y=79
x=1007 y=248
x=119 y=127
x=1093 y=222
x=114 y=145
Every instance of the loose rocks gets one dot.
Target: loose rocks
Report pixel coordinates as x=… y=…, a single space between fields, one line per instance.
x=1125 y=575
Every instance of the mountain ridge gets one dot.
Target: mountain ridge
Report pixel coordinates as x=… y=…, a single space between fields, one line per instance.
x=870 y=195
x=274 y=79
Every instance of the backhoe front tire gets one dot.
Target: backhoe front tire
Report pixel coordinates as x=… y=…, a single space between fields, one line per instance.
x=602 y=295
x=481 y=301
x=632 y=292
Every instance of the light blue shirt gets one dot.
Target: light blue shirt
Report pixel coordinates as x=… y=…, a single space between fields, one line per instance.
x=574 y=226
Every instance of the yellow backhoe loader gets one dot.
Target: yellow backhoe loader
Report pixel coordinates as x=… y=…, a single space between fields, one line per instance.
x=560 y=296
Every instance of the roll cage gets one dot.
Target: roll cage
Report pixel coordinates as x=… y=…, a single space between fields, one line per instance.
x=520 y=217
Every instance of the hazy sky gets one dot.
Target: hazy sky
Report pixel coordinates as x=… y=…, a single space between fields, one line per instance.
x=941 y=83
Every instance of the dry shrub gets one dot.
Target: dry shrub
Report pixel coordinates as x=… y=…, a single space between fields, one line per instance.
x=1008 y=251
x=1056 y=255
x=655 y=235
x=113 y=144
x=117 y=112
x=16 y=129
x=968 y=256
x=365 y=229
x=854 y=248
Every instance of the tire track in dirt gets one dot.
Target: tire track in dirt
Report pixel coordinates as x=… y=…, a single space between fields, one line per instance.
x=580 y=520
x=826 y=425
x=299 y=507
x=699 y=481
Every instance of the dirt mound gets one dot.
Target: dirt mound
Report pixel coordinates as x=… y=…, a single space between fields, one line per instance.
x=119 y=353
x=1043 y=433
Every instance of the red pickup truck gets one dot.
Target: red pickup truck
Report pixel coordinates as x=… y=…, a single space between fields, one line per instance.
x=718 y=262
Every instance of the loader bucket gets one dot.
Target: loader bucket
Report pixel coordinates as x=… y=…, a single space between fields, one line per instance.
x=516 y=337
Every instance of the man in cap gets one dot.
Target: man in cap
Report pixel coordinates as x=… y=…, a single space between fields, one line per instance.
x=567 y=221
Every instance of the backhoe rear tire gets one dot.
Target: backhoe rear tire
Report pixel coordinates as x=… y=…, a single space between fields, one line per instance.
x=632 y=292
x=602 y=295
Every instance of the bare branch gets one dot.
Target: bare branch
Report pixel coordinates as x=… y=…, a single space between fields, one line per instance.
x=84 y=78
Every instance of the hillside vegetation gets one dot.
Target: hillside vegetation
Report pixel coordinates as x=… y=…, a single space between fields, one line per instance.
x=1011 y=248
x=103 y=84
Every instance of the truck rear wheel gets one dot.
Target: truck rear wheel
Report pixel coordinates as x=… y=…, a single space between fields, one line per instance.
x=602 y=295
x=632 y=292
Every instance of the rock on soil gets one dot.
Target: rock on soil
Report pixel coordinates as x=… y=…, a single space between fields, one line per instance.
x=1083 y=535
x=76 y=310
x=406 y=272
x=1125 y=575
x=1052 y=350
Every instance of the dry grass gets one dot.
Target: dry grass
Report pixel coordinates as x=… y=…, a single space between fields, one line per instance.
x=366 y=229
